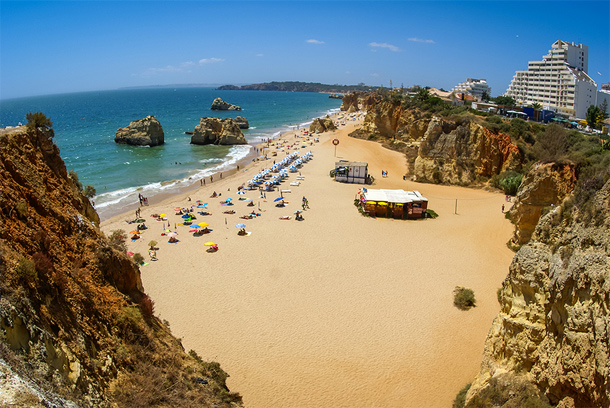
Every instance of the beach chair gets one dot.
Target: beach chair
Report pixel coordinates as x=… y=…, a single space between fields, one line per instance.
x=286 y=191
x=295 y=183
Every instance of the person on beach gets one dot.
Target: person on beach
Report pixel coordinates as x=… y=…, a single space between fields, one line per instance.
x=211 y=179
x=502 y=207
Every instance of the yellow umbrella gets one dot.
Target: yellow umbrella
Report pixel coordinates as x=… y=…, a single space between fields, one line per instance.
x=162 y=215
x=203 y=224
x=209 y=243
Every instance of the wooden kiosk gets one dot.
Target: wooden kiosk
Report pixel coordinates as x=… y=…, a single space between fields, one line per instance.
x=399 y=204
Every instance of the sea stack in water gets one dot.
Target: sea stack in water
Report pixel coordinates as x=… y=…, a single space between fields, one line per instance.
x=142 y=132
x=219 y=104
x=217 y=131
x=322 y=125
x=242 y=122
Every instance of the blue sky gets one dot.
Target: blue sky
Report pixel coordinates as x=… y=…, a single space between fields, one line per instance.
x=56 y=47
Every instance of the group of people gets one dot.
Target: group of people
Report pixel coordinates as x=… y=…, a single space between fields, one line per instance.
x=143 y=200
x=305 y=203
x=384 y=173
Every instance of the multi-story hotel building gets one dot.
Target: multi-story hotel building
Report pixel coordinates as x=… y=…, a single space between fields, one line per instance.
x=474 y=87
x=559 y=82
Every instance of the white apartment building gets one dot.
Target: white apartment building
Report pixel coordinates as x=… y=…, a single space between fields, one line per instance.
x=474 y=87
x=559 y=82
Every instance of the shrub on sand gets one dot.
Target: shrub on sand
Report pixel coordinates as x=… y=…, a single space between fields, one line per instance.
x=463 y=298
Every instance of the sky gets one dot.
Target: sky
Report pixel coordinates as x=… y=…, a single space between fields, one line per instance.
x=50 y=47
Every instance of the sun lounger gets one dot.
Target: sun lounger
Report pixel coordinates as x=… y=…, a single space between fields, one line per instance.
x=295 y=183
x=300 y=177
x=286 y=191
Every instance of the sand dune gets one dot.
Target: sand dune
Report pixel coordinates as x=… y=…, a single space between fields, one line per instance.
x=338 y=310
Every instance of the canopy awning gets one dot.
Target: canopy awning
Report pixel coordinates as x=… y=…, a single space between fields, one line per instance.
x=393 y=196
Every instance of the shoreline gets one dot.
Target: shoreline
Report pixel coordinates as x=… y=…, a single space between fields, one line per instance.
x=112 y=210
x=339 y=309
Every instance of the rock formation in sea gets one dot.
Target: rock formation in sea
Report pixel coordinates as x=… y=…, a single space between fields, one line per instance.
x=141 y=132
x=544 y=186
x=76 y=327
x=217 y=131
x=322 y=125
x=553 y=329
x=219 y=104
x=242 y=122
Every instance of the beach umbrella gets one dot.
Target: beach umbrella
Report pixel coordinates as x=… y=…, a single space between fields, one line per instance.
x=200 y=225
x=278 y=199
x=172 y=234
x=185 y=216
x=134 y=232
x=162 y=215
x=297 y=211
x=248 y=200
x=209 y=243
x=177 y=208
x=229 y=199
x=240 y=192
x=240 y=225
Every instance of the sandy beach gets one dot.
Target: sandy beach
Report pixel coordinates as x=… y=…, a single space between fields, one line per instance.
x=338 y=310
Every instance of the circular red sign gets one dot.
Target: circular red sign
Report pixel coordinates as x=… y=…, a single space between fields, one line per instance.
x=335 y=141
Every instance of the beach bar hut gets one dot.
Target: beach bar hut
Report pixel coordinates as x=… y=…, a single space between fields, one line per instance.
x=351 y=172
x=399 y=204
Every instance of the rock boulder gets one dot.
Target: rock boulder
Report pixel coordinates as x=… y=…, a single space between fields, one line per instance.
x=242 y=122
x=219 y=104
x=217 y=131
x=142 y=132
x=322 y=125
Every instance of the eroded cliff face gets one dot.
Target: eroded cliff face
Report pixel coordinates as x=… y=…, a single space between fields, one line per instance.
x=459 y=153
x=544 y=185
x=74 y=318
x=440 y=151
x=553 y=329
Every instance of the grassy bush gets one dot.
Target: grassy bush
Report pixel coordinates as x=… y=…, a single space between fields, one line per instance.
x=460 y=398
x=463 y=298
x=27 y=270
x=89 y=191
x=22 y=208
x=117 y=240
x=431 y=213
x=37 y=119
x=138 y=258
x=508 y=181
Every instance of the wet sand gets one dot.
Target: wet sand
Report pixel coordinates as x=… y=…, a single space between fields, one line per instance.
x=338 y=310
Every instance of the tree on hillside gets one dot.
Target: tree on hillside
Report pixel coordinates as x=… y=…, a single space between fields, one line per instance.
x=505 y=101
x=604 y=109
x=38 y=120
x=594 y=116
x=422 y=94
x=485 y=96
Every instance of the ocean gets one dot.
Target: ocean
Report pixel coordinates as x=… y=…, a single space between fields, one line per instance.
x=85 y=125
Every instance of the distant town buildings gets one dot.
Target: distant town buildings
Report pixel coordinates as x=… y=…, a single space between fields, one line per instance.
x=474 y=87
x=559 y=82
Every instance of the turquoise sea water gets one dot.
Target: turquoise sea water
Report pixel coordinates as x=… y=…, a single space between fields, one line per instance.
x=85 y=125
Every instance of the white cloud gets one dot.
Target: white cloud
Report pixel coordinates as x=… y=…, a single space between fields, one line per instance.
x=182 y=67
x=312 y=41
x=259 y=55
x=420 y=40
x=374 y=74
x=210 y=61
x=385 y=45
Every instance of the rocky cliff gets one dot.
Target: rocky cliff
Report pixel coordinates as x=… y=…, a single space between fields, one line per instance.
x=217 y=131
x=242 y=122
x=219 y=104
x=544 y=186
x=76 y=328
x=553 y=330
x=439 y=150
x=321 y=125
x=142 y=132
